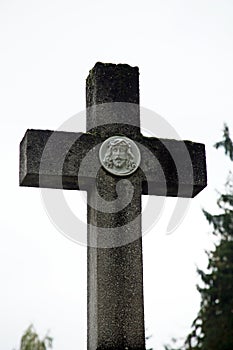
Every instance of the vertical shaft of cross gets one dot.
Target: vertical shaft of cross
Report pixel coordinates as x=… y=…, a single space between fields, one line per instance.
x=115 y=312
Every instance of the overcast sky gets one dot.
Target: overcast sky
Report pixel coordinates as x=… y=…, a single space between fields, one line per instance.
x=184 y=50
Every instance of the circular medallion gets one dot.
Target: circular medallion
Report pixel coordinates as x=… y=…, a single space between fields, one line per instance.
x=119 y=155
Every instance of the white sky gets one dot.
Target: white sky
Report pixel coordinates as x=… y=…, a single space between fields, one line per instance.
x=184 y=50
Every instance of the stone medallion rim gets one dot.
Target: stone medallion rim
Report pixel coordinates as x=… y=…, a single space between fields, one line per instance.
x=135 y=148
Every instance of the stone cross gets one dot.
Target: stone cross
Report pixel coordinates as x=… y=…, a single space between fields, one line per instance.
x=113 y=152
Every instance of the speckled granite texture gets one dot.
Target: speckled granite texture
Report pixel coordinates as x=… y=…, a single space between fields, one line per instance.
x=70 y=161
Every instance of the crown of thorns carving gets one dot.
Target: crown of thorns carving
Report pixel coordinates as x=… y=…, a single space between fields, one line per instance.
x=108 y=159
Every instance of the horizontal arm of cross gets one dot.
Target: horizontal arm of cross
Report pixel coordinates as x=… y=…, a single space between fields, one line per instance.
x=70 y=161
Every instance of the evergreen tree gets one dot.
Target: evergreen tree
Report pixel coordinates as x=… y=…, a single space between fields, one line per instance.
x=213 y=327
x=30 y=340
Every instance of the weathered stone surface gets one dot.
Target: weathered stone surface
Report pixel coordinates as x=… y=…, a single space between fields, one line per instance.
x=63 y=157
x=71 y=161
x=109 y=82
x=115 y=283
x=112 y=97
x=115 y=294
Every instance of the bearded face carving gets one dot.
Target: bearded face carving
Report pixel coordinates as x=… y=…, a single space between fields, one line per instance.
x=119 y=155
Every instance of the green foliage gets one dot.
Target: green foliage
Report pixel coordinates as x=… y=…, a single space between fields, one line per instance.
x=30 y=340
x=226 y=143
x=213 y=327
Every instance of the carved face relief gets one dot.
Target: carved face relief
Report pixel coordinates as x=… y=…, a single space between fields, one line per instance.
x=119 y=155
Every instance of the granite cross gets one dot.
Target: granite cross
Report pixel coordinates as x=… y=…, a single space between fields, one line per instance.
x=113 y=151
